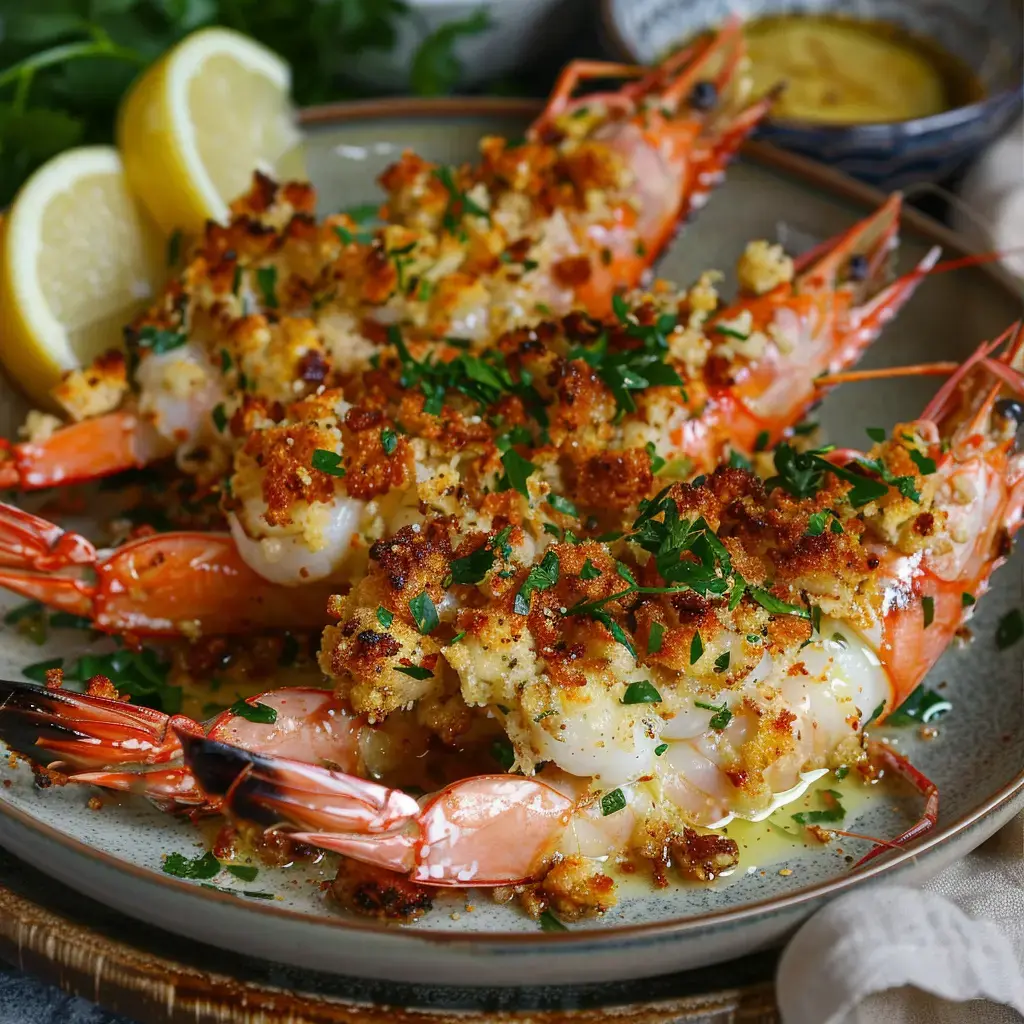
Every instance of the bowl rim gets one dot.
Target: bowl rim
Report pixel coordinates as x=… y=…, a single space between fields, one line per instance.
x=945 y=119
x=1009 y=795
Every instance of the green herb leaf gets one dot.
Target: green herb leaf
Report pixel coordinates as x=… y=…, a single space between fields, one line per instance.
x=388 y=441
x=928 y=608
x=925 y=466
x=722 y=662
x=655 y=638
x=832 y=812
x=877 y=434
x=415 y=671
x=472 y=568
x=28 y=610
x=775 y=606
x=920 y=707
x=563 y=505
x=436 y=69
x=517 y=472
x=550 y=923
x=502 y=752
x=1010 y=629
x=612 y=802
x=384 y=617
x=266 y=281
x=589 y=571
x=197 y=868
x=722 y=715
x=642 y=692
x=424 y=613
x=246 y=872
x=158 y=340
x=816 y=522
x=458 y=637
x=660 y=749
x=220 y=417
x=967 y=600
x=261 y=714
x=540 y=577
x=696 y=648
x=875 y=715
x=328 y=462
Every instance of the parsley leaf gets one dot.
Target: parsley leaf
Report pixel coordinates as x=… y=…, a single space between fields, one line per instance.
x=327 y=462
x=261 y=714
x=920 y=707
x=424 y=613
x=655 y=638
x=197 y=868
x=589 y=571
x=722 y=715
x=517 y=472
x=832 y=812
x=266 y=281
x=643 y=692
x=388 y=441
x=540 y=577
x=384 y=617
x=612 y=802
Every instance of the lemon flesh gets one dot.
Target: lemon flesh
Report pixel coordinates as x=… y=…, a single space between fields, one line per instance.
x=78 y=259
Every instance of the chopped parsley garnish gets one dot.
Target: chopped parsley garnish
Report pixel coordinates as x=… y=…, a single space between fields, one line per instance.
x=1010 y=629
x=455 y=639
x=660 y=749
x=196 y=868
x=472 y=568
x=612 y=802
x=563 y=505
x=722 y=715
x=632 y=369
x=415 y=671
x=696 y=648
x=655 y=638
x=544 y=714
x=722 y=662
x=226 y=362
x=141 y=675
x=642 y=692
x=817 y=521
x=928 y=608
x=502 y=752
x=589 y=571
x=517 y=472
x=158 y=340
x=832 y=812
x=841 y=772
x=261 y=714
x=805 y=429
x=550 y=923
x=775 y=606
x=761 y=441
x=657 y=462
x=925 y=465
x=737 y=460
x=540 y=577
x=174 y=249
x=220 y=417
x=966 y=600
x=388 y=441
x=328 y=462
x=459 y=202
x=266 y=281
x=424 y=613
x=245 y=872
x=731 y=332
x=876 y=714
x=877 y=434
x=485 y=379
x=919 y=708
x=384 y=617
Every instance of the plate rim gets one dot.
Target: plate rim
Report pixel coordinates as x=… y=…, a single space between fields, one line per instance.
x=809 y=172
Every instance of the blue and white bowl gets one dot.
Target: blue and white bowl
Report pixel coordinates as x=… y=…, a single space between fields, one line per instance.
x=987 y=35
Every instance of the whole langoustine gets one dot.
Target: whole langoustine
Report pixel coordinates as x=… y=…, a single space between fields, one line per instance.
x=559 y=425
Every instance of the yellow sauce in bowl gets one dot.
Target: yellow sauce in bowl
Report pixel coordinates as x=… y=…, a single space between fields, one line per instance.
x=845 y=71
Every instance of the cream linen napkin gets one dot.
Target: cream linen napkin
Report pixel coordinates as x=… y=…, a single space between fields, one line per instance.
x=951 y=952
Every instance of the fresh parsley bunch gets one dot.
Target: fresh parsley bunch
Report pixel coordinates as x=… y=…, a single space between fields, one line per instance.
x=65 y=64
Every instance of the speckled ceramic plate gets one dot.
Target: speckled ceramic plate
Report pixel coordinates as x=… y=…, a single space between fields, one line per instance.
x=115 y=855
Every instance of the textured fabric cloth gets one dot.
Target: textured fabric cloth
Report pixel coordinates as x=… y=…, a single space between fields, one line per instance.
x=950 y=953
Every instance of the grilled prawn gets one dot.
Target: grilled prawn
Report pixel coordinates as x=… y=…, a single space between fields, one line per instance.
x=563 y=424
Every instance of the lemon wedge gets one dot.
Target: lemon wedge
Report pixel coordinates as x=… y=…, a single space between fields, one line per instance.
x=78 y=258
x=196 y=124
